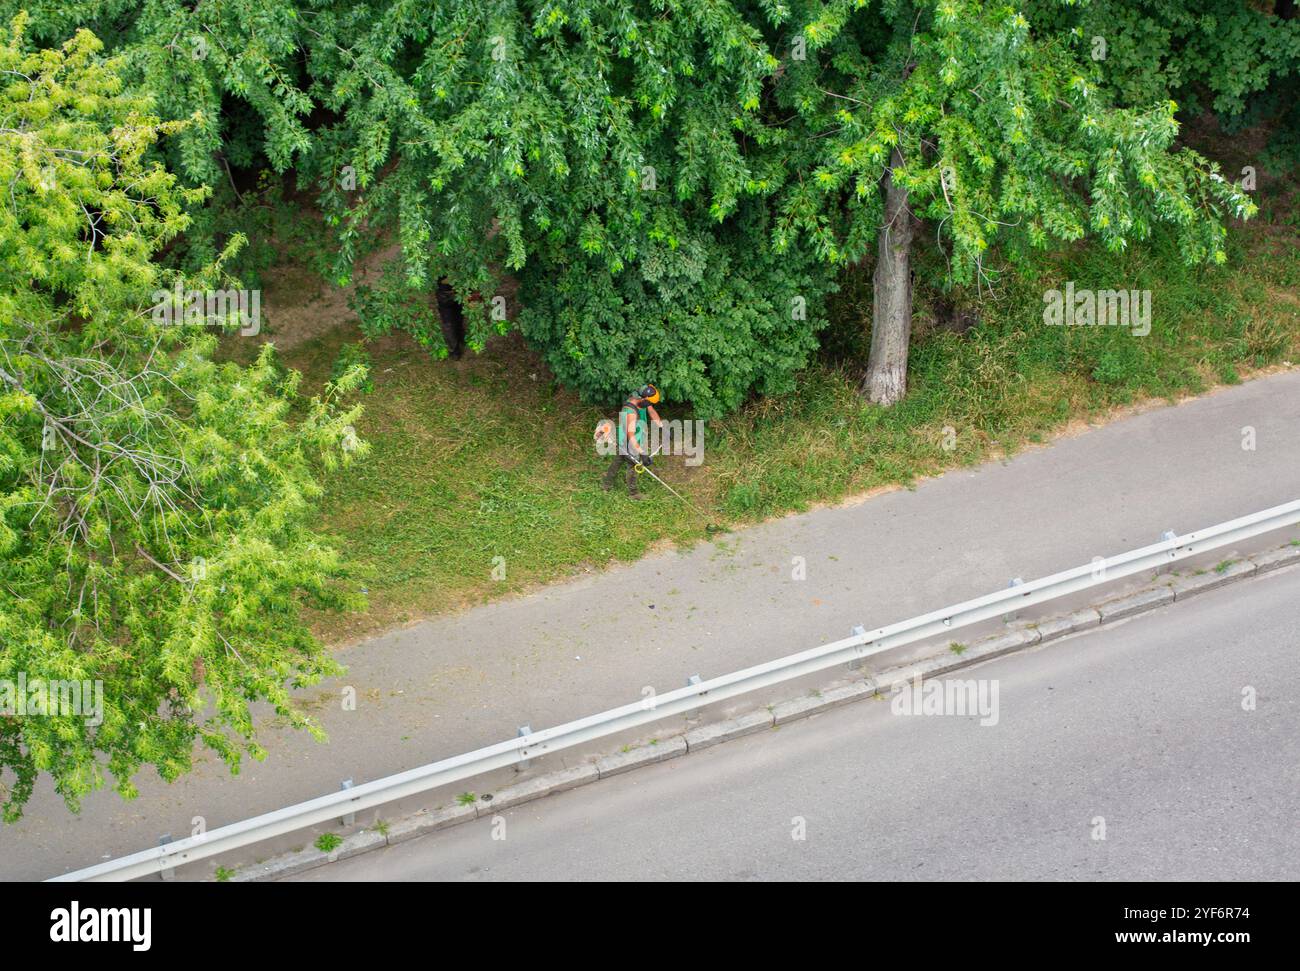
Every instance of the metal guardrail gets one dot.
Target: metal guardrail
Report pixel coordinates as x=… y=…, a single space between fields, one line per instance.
x=694 y=695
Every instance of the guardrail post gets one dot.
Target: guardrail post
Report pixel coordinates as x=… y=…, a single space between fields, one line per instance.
x=1008 y=618
x=857 y=631
x=349 y=819
x=169 y=873
x=693 y=717
x=524 y=764
x=1166 y=536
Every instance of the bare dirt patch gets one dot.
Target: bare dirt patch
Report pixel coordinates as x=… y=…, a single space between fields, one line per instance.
x=299 y=306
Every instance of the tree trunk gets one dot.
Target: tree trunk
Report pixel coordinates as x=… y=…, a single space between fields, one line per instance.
x=891 y=318
x=452 y=318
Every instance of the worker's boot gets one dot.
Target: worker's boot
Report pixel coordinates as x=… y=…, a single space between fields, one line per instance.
x=632 y=490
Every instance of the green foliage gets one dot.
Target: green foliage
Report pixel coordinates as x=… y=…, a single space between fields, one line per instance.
x=1005 y=134
x=1240 y=60
x=328 y=842
x=662 y=178
x=153 y=502
x=230 y=68
x=707 y=321
x=353 y=358
x=595 y=153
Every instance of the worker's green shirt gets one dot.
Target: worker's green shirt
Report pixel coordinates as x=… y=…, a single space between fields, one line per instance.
x=642 y=421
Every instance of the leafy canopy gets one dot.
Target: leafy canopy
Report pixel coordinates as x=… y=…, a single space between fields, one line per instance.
x=153 y=502
x=667 y=180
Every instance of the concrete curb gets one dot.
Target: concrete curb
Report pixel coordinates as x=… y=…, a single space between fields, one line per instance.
x=824 y=700
x=428 y=822
x=1288 y=555
x=543 y=785
x=1018 y=636
x=659 y=750
x=1054 y=627
x=725 y=731
x=1187 y=586
x=1136 y=603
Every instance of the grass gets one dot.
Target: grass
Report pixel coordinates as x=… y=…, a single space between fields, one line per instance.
x=328 y=842
x=482 y=481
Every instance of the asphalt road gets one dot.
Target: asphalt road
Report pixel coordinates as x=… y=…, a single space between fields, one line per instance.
x=459 y=682
x=1136 y=731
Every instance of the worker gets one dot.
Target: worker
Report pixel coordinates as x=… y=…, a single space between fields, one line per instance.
x=633 y=448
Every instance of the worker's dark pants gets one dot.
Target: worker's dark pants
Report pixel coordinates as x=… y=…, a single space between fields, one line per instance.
x=611 y=474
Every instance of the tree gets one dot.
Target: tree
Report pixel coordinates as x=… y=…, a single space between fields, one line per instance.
x=154 y=548
x=1206 y=53
x=1239 y=60
x=989 y=128
x=612 y=155
x=669 y=179
x=599 y=153
x=874 y=120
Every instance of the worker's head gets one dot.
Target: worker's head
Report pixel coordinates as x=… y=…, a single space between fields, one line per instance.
x=649 y=393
